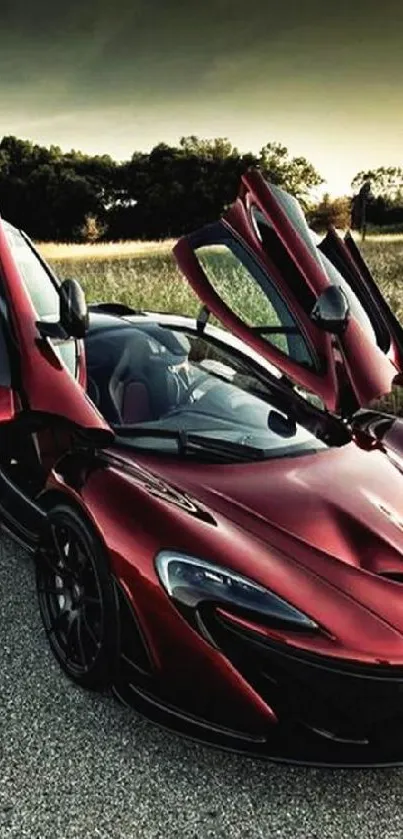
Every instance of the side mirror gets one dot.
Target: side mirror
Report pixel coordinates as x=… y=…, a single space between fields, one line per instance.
x=331 y=311
x=73 y=309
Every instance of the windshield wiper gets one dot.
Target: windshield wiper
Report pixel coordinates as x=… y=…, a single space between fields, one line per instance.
x=190 y=443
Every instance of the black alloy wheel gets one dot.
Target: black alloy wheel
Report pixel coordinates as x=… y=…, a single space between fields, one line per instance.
x=77 y=598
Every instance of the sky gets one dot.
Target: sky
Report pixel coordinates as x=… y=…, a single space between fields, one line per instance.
x=115 y=76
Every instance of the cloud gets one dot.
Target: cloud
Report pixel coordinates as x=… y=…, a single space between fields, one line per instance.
x=115 y=76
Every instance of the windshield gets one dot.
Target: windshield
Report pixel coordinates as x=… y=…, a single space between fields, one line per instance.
x=152 y=382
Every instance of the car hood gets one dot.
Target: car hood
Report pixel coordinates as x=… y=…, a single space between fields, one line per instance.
x=346 y=502
x=323 y=531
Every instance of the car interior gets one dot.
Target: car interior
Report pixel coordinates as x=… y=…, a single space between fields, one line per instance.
x=132 y=372
x=163 y=380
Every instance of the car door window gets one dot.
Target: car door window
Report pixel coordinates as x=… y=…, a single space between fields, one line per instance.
x=248 y=292
x=40 y=286
x=42 y=290
x=273 y=247
x=5 y=346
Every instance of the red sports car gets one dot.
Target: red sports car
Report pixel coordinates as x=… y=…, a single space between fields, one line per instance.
x=217 y=523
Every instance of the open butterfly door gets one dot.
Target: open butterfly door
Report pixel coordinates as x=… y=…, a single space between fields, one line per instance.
x=35 y=379
x=261 y=273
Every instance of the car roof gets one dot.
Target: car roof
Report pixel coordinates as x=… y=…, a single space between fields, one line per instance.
x=111 y=318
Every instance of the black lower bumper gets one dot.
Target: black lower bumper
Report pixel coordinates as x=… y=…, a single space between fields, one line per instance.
x=284 y=743
x=330 y=713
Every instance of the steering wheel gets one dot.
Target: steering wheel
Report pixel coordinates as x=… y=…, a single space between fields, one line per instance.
x=189 y=392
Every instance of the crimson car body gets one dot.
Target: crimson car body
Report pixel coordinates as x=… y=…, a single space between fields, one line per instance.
x=260 y=600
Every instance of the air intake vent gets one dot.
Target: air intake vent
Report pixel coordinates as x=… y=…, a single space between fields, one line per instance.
x=134 y=652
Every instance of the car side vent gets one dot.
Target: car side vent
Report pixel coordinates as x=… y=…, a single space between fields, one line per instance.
x=134 y=653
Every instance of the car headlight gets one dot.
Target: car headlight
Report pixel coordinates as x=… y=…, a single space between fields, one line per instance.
x=191 y=582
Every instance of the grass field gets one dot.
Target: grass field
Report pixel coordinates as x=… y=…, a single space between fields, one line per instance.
x=141 y=274
x=144 y=274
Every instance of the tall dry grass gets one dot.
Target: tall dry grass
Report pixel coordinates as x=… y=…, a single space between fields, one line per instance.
x=102 y=250
x=144 y=274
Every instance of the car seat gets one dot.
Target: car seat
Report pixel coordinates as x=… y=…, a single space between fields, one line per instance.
x=117 y=375
x=130 y=376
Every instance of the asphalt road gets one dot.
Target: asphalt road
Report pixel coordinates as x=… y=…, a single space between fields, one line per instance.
x=77 y=765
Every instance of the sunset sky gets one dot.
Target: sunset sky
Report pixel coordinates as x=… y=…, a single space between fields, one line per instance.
x=325 y=79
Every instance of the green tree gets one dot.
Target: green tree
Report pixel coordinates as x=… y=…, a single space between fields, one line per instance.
x=386 y=182
x=294 y=174
x=328 y=212
x=169 y=191
x=383 y=199
x=177 y=189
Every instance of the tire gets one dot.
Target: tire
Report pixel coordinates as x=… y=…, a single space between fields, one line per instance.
x=77 y=598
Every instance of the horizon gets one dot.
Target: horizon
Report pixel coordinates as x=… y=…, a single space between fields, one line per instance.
x=324 y=81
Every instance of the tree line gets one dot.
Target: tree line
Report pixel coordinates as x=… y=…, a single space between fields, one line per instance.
x=71 y=196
